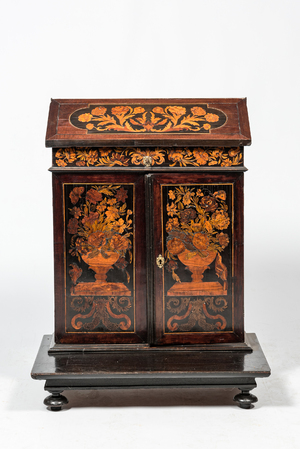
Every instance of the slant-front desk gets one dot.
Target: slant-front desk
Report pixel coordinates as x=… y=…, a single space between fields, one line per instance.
x=148 y=248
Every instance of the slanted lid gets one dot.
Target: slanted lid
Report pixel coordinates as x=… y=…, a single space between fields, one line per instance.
x=167 y=122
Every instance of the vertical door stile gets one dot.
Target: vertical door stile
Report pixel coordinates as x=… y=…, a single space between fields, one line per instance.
x=158 y=251
x=149 y=256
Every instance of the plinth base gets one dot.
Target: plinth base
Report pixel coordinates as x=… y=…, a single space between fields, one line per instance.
x=173 y=367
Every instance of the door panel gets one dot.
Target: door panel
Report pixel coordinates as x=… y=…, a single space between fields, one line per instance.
x=198 y=227
x=101 y=296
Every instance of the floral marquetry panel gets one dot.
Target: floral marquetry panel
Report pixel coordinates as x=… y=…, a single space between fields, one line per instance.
x=99 y=240
x=100 y=256
x=161 y=118
x=195 y=290
x=148 y=157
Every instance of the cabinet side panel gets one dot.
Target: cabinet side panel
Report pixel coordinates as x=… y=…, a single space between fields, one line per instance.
x=238 y=240
x=58 y=241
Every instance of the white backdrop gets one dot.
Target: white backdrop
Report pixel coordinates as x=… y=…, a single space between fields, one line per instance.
x=150 y=49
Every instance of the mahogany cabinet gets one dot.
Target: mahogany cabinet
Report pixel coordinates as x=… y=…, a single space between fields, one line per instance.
x=148 y=243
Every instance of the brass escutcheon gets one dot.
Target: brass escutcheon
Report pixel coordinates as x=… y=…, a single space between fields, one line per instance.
x=160 y=261
x=147 y=161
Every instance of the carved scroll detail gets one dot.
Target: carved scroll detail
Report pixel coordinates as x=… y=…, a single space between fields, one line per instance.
x=196 y=313
x=101 y=313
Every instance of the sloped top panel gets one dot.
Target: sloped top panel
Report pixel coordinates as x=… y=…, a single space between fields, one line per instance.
x=168 y=122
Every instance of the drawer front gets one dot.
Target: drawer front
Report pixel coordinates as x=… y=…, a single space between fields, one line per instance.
x=155 y=157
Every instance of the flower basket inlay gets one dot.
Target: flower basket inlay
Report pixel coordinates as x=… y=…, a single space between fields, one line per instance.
x=197 y=219
x=101 y=230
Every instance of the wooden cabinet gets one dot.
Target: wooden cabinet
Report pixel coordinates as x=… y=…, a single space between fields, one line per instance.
x=148 y=229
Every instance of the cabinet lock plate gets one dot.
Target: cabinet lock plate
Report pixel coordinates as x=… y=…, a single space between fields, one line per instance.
x=160 y=261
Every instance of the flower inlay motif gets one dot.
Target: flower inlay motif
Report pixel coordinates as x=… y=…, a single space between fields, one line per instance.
x=148 y=119
x=155 y=156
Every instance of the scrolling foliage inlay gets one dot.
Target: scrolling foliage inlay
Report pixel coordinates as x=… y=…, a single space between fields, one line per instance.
x=125 y=157
x=195 y=313
x=100 y=311
x=99 y=257
x=148 y=119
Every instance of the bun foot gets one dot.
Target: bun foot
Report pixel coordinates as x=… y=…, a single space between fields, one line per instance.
x=55 y=401
x=245 y=399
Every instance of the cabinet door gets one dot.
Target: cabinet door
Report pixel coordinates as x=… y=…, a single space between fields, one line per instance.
x=99 y=240
x=198 y=258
